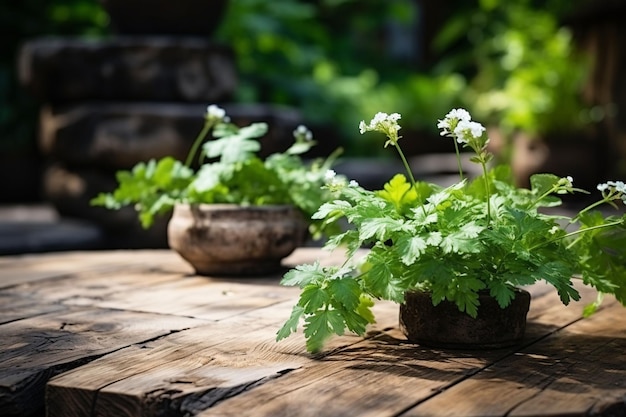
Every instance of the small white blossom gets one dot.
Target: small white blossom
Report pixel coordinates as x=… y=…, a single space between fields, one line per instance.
x=330 y=175
x=303 y=133
x=613 y=190
x=452 y=119
x=554 y=229
x=384 y=123
x=603 y=187
x=215 y=112
x=465 y=131
x=353 y=184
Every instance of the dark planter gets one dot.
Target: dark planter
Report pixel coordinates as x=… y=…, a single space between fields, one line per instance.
x=231 y=240
x=445 y=326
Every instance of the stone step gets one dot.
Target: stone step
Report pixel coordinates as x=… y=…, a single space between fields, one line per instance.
x=117 y=135
x=142 y=68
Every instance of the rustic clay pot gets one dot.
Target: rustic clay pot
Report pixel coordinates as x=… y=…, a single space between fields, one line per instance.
x=225 y=239
x=445 y=326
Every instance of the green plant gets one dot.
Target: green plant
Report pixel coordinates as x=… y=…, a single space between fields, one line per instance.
x=230 y=171
x=483 y=234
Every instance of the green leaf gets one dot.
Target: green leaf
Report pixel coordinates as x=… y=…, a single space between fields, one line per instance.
x=463 y=240
x=411 y=248
x=299 y=148
x=467 y=302
x=313 y=298
x=346 y=291
x=317 y=329
x=381 y=228
x=501 y=292
x=364 y=308
x=331 y=208
x=303 y=275
x=380 y=278
x=210 y=176
x=291 y=325
x=399 y=192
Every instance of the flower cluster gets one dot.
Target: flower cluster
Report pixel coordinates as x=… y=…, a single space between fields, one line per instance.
x=215 y=114
x=613 y=190
x=384 y=123
x=302 y=134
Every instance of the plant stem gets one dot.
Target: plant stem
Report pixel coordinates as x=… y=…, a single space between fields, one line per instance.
x=197 y=142
x=408 y=171
x=577 y=232
x=458 y=159
x=591 y=206
x=487 y=190
x=406 y=165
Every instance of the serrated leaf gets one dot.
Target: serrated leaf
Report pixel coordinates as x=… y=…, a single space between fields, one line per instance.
x=317 y=330
x=501 y=292
x=331 y=208
x=399 y=192
x=291 y=325
x=346 y=291
x=303 y=275
x=313 y=298
x=380 y=227
x=411 y=248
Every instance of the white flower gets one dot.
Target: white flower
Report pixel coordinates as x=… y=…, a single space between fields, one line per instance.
x=330 y=176
x=382 y=122
x=303 y=133
x=465 y=131
x=215 y=112
x=353 y=184
x=603 y=187
x=452 y=119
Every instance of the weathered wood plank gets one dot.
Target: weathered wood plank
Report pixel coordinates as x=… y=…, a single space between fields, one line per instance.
x=22 y=269
x=209 y=298
x=35 y=349
x=191 y=370
x=569 y=372
x=384 y=376
x=19 y=306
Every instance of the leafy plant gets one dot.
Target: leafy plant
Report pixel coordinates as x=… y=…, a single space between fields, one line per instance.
x=230 y=171
x=483 y=234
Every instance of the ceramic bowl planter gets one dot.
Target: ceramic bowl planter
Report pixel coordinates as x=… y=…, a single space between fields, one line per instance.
x=445 y=326
x=225 y=239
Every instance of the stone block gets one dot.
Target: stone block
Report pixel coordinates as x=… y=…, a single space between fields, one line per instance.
x=141 y=68
x=70 y=191
x=117 y=135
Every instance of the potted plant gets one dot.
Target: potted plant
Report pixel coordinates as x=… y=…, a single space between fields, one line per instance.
x=236 y=213
x=472 y=245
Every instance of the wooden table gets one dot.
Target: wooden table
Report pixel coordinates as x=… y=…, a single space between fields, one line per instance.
x=135 y=333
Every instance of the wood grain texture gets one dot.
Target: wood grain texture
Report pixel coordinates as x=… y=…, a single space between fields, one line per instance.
x=135 y=333
x=35 y=349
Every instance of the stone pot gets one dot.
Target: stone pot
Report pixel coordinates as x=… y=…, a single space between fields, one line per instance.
x=231 y=240
x=445 y=326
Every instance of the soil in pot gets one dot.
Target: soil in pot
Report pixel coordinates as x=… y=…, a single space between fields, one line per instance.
x=230 y=240
x=445 y=326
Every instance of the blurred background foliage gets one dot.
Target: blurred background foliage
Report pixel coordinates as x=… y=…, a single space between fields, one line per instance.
x=23 y=20
x=340 y=61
